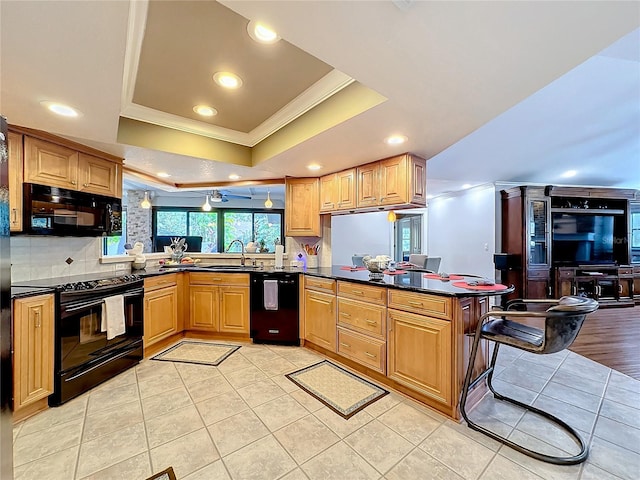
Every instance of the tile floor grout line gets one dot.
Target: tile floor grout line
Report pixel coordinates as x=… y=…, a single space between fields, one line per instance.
x=144 y=419
x=84 y=419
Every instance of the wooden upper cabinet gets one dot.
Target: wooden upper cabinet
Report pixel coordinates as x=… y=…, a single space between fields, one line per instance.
x=328 y=193
x=346 y=189
x=100 y=176
x=397 y=180
x=367 y=187
x=15 y=181
x=50 y=164
x=56 y=162
x=302 y=207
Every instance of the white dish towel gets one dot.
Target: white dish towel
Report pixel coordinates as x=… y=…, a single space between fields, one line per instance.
x=270 y=294
x=113 y=316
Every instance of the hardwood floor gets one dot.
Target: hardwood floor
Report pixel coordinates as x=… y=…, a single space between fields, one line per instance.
x=611 y=336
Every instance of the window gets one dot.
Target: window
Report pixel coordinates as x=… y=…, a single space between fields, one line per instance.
x=635 y=230
x=115 y=245
x=220 y=227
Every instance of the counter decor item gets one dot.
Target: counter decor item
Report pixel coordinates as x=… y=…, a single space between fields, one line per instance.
x=376 y=266
x=139 y=260
x=178 y=247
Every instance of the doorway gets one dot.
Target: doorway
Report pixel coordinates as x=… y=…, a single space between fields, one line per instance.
x=407 y=236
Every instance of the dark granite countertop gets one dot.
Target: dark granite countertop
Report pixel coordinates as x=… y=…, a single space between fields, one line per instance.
x=413 y=281
x=22 y=292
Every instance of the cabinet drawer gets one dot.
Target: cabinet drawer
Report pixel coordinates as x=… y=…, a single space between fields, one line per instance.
x=369 y=319
x=421 y=303
x=565 y=273
x=357 y=291
x=362 y=349
x=160 y=281
x=212 y=278
x=318 y=283
x=625 y=271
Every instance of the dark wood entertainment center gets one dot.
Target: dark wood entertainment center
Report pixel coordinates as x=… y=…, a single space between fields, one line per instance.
x=572 y=241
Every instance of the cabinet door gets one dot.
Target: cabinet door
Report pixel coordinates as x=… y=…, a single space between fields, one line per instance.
x=33 y=347
x=328 y=193
x=50 y=164
x=367 y=186
x=234 y=309
x=302 y=207
x=346 y=186
x=393 y=181
x=417 y=180
x=15 y=181
x=420 y=354
x=97 y=175
x=538 y=232
x=160 y=314
x=203 y=311
x=320 y=319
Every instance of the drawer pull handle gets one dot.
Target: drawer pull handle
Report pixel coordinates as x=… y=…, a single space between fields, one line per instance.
x=345 y=345
x=38 y=323
x=372 y=323
x=345 y=314
x=357 y=292
x=370 y=355
x=416 y=304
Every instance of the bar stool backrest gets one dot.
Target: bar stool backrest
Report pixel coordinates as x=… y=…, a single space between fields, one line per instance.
x=564 y=321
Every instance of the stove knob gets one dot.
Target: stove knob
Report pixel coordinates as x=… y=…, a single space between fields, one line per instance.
x=67 y=287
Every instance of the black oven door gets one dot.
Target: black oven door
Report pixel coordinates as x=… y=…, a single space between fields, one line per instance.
x=84 y=356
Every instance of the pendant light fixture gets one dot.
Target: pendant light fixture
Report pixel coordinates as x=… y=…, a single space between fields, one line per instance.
x=268 y=203
x=391 y=216
x=206 y=206
x=145 y=203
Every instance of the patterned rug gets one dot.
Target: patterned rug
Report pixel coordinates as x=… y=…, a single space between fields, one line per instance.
x=204 y=353
x=164 y=475
x=341 y=391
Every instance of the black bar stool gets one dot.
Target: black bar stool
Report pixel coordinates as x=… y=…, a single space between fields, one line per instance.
x=563 y=321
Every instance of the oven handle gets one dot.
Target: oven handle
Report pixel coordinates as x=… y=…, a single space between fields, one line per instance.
x=98 y=365
x=74 y=307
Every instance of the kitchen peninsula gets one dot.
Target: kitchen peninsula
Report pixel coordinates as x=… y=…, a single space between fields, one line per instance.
x=406 y=331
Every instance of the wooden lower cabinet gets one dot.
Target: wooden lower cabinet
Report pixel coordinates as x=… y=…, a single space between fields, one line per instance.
x=234 y=309
x=203 y=308
x=33 y=349
x=219 y=303
x=363 y=349
x=419 y=354
x=160 y=311
x=320 y=319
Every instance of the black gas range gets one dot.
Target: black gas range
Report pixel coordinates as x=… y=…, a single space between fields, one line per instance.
x=84 y=356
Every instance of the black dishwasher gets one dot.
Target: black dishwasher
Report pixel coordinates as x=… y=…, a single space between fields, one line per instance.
x=274 y=308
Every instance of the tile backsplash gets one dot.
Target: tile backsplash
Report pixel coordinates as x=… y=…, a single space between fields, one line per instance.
x=46 y=257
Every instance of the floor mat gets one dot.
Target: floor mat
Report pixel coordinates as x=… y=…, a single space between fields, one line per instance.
x=204 y=353
x=340 y=390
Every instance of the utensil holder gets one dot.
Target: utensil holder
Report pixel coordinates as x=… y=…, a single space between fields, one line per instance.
x=312 y=261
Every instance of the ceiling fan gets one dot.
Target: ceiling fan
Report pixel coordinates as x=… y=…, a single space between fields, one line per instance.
x=218 y=196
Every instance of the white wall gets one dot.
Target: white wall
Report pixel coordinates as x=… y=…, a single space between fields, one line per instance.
x=368 y=233
x=461 y=230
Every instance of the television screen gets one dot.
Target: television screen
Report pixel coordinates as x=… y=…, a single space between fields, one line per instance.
x=582 y=239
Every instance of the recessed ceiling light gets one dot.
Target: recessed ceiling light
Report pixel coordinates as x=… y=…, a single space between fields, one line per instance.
x=233 y=176
x=262 y=33
x=163 y=174
x=61 y=109
x=466 y=185
x=227 y=80
x=569 y=174
x=314 y=166
x=395 y=139
x=205 y=110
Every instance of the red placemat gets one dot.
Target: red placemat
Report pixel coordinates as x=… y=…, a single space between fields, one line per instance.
x=353 y=269
x=396 y=272
x=435 y=276
x=497 y=286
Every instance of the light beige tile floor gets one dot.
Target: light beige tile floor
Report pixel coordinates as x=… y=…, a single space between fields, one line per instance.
x=244 y=420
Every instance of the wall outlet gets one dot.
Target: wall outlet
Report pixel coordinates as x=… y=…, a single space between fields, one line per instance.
x=121 y=266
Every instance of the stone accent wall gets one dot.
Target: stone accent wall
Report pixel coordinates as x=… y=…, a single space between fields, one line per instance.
x=138 y=220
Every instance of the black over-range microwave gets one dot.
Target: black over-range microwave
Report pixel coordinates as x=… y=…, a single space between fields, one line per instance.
x=57 y=211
